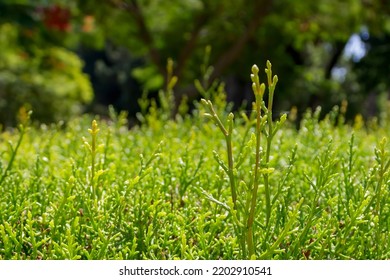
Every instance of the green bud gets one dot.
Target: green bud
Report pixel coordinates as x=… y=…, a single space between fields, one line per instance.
x=94 y=129
x=254 y=88
x=169 y=65
x=255 y=69
x=172 y=82
x=275 y=80
x=283 y=118
x=262 y=88
x=207 y=115
x=230 y=123
x=269 y=65
x=204 y=101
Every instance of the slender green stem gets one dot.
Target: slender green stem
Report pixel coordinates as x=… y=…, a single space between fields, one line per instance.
x=93 y=133
x=231 y=171
x=14 y=151
x=271 y=89
x=93 y=151
x=251 y=217
x=23 y=127
x=266 y=175
x=258 y=90
x=93 y=157
x=228 y=138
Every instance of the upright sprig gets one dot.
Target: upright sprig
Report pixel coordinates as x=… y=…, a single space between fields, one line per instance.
x=227 y=132
x=258 y=89
x=270 y=132
x=166 y=97
x=24 y=117
x=171 y=78
x=265 y=127
x=93 y=149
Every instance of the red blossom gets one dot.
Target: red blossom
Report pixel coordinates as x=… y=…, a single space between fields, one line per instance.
x=57 y=18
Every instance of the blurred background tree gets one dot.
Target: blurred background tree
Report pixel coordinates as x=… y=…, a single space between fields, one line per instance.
x=37 y=70
x=126 y=43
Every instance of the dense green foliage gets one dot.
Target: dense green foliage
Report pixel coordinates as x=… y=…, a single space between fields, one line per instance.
x=158 y=191
x=46 y=79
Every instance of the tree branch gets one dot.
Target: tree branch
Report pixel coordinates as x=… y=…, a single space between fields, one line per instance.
x=188 y=49
x=261 y=9
x=133 y=8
